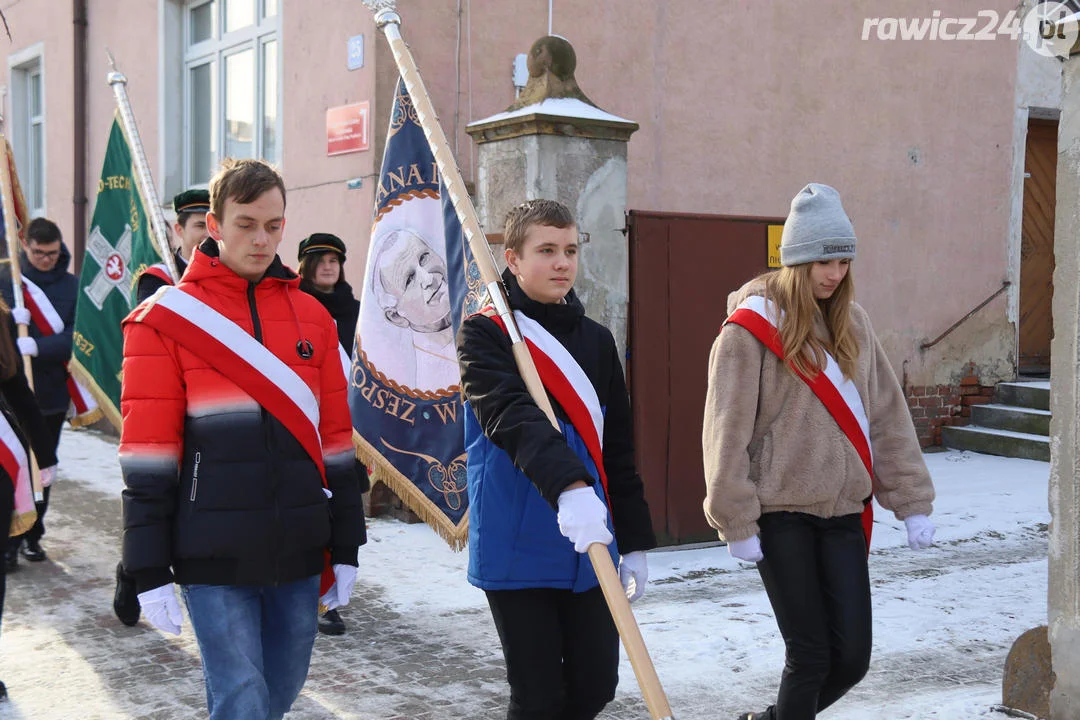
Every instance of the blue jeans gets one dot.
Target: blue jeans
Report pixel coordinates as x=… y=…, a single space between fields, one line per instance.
x=255 y=643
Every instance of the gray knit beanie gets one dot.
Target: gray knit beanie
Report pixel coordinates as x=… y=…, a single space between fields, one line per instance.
x=817 y=228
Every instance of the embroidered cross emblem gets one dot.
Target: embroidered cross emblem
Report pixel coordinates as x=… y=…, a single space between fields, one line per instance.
x=114 y=261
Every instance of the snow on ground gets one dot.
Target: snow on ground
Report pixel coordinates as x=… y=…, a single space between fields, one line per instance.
x=944 y=618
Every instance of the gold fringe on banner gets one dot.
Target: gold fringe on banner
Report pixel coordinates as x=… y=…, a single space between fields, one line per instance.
x=382 y=470
x=87 y=418
x=108 y=410
x=20 y=523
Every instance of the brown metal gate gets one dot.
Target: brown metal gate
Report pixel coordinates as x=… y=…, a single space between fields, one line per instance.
x=1037 y=247
x=682 y=268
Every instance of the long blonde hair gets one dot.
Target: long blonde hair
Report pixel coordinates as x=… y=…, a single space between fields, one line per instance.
x=790 y=288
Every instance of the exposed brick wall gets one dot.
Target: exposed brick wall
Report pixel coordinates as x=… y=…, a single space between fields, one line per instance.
x=933 y=406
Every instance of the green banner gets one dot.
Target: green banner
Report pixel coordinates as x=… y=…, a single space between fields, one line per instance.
x=119 y=247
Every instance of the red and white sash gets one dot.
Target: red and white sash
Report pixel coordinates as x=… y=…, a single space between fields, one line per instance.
x=346 y=361
x=837 y=393
x=567 y=382
x=161 y=272
x=83 y=407
x=15 y=462
x=249 y=364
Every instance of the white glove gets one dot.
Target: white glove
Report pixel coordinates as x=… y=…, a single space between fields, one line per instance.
x=634 y=569
x=748 y=549
x=21 y=316
x=161 y=608
x=27 y=346
x=920 y=532
x=47 y=476
x=583 y=518
x=338 y=594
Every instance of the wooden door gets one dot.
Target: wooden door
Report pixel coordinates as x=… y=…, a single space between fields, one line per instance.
x=682 y=268
x=1037 y=248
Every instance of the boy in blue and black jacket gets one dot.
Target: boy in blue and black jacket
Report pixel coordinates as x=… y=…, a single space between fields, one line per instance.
x=538 y=496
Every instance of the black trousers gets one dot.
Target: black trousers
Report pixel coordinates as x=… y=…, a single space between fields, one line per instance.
x=53 y=424
x=815 y=573
x=561 y=650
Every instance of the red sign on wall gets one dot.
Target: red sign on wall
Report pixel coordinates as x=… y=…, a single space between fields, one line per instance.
x=347 y=128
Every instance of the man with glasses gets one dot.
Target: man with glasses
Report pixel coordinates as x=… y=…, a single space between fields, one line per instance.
x=44 y=262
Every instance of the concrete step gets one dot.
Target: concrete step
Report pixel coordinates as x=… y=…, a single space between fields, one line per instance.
x=996 y=442
x=1032 y=394
x=1012 y=417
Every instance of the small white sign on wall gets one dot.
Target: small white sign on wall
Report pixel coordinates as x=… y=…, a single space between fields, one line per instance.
x=356 y=52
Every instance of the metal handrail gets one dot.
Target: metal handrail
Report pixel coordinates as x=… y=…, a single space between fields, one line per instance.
x=927 y=345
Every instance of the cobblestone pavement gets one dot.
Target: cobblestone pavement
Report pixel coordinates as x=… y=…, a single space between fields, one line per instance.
x=64 y=654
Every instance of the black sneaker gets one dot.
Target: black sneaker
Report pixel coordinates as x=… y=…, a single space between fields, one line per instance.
x=11 y=558
x=33 y=551
x=767 y=715
x=3 y=691
x=330 y=623
x=125 y=599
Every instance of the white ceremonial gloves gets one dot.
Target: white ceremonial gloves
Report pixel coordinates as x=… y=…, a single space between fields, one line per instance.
x=27 y=346
x=48 y=475
x=634 y=573
x=920 y=532
x=21 y=316
x=583 y=518
x=748 y=550
x=339 y=593
x=162 y=609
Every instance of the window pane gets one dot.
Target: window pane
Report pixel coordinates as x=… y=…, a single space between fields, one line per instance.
x=240 y=104
x=202 y=22
x=239 y=14
x=270 y=102
x=35 y=94
x=201 y=111
x=37 y=167
x=270 y=9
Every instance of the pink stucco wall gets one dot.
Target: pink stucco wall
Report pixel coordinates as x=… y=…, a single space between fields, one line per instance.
x=740 y=104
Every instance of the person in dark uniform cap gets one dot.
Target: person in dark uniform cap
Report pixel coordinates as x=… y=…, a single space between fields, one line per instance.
x=322 y=275
x=190 y=207
x=322 y=257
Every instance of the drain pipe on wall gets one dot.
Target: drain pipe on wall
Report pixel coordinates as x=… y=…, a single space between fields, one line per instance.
x=78 y=230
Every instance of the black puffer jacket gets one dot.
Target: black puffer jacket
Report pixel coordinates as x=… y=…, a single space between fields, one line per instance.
x=342 y=306
x=491 y=383
x=62 y=289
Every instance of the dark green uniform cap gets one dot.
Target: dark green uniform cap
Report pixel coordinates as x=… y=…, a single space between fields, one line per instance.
x=192 y=201
x=318 y=243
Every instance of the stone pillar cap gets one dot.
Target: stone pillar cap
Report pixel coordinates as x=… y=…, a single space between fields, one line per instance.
x=553 y=116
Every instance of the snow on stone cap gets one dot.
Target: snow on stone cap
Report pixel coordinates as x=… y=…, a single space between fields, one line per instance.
x=559 y=107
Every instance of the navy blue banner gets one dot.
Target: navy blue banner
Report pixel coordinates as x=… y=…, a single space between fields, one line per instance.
x=404 y=392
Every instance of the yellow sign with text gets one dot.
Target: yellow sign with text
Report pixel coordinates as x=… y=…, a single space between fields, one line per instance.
x=775 y=231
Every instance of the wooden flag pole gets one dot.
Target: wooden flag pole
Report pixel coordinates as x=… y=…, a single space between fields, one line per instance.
x=11 y=232
x=143 y=179
x=387 y=20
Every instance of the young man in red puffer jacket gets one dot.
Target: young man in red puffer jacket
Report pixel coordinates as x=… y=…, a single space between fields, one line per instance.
x=239 y=473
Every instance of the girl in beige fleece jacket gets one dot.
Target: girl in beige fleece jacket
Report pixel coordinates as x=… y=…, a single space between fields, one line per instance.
x=786 y=486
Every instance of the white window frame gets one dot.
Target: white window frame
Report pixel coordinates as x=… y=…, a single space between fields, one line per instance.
x=178 y=59
x=23 y=66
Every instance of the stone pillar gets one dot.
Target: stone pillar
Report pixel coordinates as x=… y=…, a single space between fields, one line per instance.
x=554 y=143
x=1063 y=611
